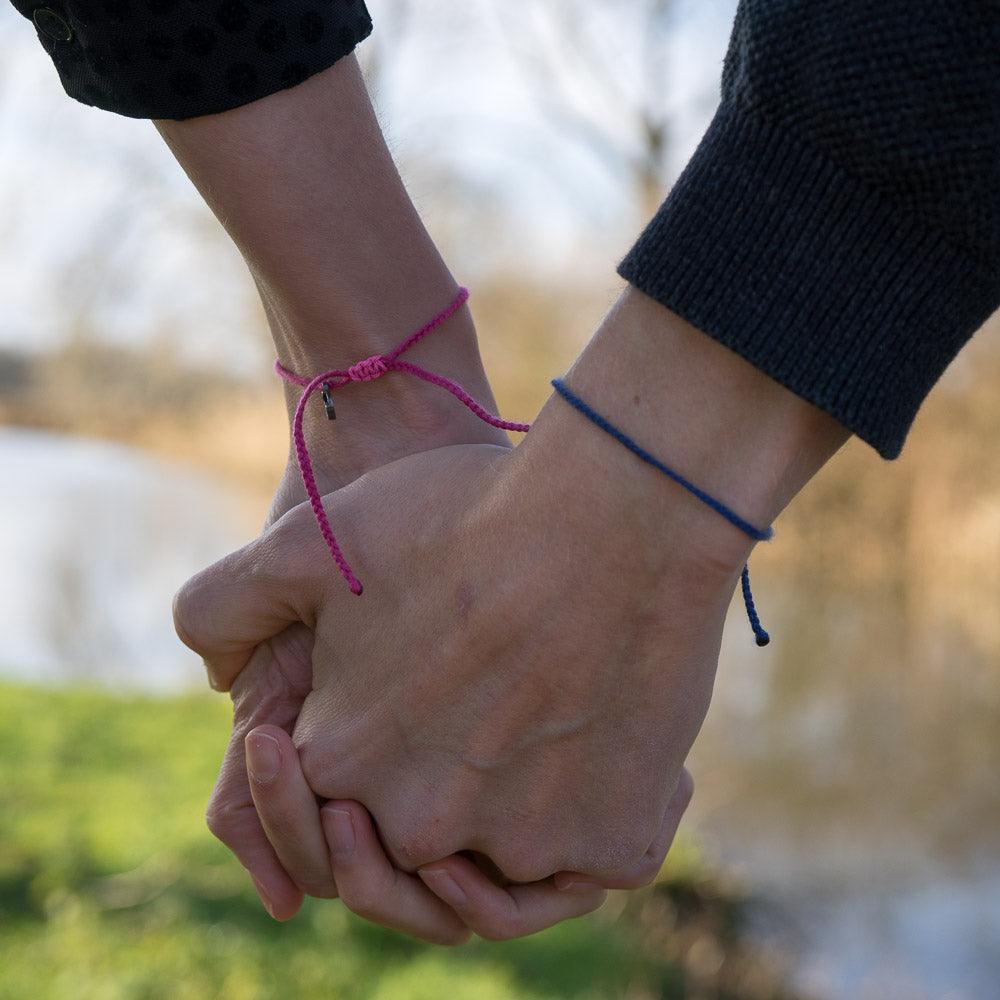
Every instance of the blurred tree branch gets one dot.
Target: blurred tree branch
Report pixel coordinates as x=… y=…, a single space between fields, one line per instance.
x=599 y=71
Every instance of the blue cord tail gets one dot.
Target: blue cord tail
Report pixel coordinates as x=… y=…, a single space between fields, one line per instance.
x=760 y=634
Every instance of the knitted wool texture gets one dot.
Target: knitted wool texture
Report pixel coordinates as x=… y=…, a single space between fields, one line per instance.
x=839 y=225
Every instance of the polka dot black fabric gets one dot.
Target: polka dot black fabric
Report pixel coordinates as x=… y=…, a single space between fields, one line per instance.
x=184 y=58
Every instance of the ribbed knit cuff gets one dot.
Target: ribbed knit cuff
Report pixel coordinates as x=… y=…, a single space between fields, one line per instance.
x=814 y=278
x=171 y=60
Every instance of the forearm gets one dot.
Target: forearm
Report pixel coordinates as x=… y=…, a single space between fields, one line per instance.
x=305 y=185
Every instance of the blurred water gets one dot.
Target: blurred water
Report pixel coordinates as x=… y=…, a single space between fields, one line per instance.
x=848 y=774
x=95 y=538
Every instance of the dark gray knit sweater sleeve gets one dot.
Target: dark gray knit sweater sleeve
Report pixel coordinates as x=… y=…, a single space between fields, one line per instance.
x=839 y=225
x=182 y=59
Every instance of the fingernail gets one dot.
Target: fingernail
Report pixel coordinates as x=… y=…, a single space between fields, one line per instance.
x=340 y=834
x=263 y=757
x=444 y=886
x=264 y=898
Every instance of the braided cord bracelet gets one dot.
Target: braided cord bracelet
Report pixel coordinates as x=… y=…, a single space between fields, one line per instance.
x=758 y=534
x=366 y=371
x=381 y=364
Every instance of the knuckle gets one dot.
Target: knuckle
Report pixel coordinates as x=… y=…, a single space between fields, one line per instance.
x=612 y=850
x=534 y=854
x=623 y=853
x=524 y=865
x=605 y=850
x=223 y=820
x=641 y=874
x=414 y=846
x=413 y=853
x=317 y=883
x=629 y=849
x=316 y=746
x=186 y=606
x=618 y=839
x=363 y=900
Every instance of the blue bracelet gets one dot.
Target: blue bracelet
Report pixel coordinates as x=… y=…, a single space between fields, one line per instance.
x=758 y=534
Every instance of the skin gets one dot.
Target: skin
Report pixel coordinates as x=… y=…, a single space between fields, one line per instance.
x=305 y=186
x=272 y=800
x=536 y=645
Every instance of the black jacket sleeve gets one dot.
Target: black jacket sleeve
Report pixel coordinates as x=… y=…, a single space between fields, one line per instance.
x=839 y=225
x=185 y=58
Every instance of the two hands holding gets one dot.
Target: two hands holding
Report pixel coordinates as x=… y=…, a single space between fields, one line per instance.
x=494 y=733
x=496 y=728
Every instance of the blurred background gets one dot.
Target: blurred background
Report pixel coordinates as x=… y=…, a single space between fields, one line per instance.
x=843 y=841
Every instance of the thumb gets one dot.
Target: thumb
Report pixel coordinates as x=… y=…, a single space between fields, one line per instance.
x=223 y=612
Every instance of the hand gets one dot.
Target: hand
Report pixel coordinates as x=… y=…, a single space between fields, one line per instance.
x=230 y=813
x=333 y=236
x=339 y=840
x=273 y=805
x=305 y=185
x=528 y=666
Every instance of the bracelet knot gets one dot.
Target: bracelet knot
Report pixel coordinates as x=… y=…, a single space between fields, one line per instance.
x=369 y=369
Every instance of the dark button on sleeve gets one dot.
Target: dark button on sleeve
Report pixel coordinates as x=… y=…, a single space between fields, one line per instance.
x=52 y=24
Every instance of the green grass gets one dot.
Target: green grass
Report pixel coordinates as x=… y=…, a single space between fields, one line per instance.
x=111 y=888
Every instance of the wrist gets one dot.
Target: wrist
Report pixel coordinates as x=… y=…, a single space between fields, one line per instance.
x=393 y=415
x=305 y=185
x=710 y=416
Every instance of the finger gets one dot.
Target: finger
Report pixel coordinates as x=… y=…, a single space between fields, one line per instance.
x=233 y=818
x=501 y=913
x=372 y=888
x=288 y=810
x=223 y=612
x=648 y=867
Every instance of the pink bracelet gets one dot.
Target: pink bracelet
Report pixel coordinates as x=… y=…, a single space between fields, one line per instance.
x=366 y=371
x=380 y=364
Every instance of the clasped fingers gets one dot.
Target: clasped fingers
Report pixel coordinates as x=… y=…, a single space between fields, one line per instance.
x=335 y=850
x=288 y=811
